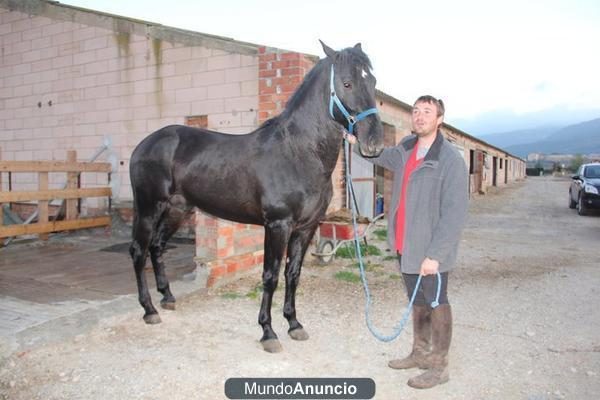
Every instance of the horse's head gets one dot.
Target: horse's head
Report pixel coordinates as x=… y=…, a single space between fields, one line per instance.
x=352 y=97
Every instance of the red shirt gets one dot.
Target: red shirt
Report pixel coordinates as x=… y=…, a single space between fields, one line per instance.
x=411 y=164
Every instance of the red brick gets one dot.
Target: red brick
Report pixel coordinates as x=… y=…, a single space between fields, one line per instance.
x=292 y=71
x=280 y=64
x=290 y=88
x=295 y=79
x=226 y=231
x=266 y=90
x=225 y=252
x=290 y=56
x=207 y=221
x=282 y=80
x=294 y=63
x=267 y=73
x=267 y=57
x=278 y=97
x=218 y=270
x=268 y=106
x=308 y=65
x=233 y=267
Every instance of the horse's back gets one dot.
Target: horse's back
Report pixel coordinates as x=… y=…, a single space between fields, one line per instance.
x=200 y=165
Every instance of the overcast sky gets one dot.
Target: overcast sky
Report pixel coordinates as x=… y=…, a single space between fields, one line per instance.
x=498 y=65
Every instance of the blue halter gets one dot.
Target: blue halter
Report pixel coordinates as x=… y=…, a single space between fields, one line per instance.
x=334 y=99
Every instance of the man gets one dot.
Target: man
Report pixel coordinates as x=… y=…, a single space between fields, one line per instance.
x=427 y=213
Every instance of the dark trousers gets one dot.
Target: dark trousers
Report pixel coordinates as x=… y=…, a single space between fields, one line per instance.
x=427 y=289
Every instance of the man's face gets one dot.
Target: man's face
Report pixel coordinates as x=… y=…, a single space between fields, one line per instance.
x=425 y=120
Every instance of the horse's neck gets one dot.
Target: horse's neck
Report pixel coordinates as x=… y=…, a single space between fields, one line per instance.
x=320 y=136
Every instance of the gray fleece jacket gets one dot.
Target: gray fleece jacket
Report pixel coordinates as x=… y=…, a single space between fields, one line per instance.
x=437 y=200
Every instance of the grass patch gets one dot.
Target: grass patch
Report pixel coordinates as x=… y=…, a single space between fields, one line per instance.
x=390 y=258
x=231 y=295
x=348 y=251
x=368 y=266
x=255 y=292
x=347 y=276
x=380 y=234
x=395 y=277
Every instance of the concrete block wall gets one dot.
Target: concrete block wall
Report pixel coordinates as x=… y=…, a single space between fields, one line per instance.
x=66 y=85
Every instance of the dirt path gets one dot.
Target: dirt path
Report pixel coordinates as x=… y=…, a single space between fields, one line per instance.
x=525 y=299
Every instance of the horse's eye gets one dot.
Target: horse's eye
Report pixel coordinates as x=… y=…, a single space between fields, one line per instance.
x=347 y=85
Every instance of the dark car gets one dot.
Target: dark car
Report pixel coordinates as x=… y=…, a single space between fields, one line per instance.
x=585 y=188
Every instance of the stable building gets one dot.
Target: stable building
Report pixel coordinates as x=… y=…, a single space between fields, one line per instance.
x=84 y=80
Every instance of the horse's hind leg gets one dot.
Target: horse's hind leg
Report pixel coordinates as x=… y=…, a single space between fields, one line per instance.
x=142 y=235
x=168 y=224
x=297 y=247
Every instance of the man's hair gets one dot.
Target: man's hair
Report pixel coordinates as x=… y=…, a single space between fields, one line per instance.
x=439 y=104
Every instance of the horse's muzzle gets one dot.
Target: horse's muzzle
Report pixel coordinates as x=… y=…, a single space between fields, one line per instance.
x=373 y=146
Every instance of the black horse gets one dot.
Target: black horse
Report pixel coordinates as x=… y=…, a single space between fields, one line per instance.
x=278 y=176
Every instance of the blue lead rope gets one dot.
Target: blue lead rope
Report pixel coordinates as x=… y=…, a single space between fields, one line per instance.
x=398 y=329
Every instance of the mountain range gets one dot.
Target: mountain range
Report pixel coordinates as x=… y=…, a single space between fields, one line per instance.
x=580 y=138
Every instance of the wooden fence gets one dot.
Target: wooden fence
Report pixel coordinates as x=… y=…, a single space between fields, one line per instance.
x=71 y=194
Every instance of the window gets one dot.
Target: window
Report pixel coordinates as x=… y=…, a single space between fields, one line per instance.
x=592 y=171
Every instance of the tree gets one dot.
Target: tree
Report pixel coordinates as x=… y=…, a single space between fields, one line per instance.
x=577 y=161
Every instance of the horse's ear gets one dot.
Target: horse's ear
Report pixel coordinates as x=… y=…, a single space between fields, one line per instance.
x=328 y=50
x=358 y=46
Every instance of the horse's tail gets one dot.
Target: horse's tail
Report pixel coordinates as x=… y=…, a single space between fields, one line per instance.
x=151 y=169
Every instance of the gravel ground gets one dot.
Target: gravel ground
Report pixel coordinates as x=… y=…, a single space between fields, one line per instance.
x=524 y=297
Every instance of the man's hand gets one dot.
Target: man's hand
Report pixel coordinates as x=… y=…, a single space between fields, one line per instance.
x=429 y=266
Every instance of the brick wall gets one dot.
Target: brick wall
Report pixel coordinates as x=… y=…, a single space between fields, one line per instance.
x=227 y=248
x=279 y=74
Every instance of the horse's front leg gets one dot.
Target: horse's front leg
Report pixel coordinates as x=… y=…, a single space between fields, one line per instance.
x=276 y=237
x=297 y=246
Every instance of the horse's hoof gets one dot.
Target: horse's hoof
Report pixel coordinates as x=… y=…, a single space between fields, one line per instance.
x=298 y=334
x=152 y=319
x=272 y=346
x=168 y=305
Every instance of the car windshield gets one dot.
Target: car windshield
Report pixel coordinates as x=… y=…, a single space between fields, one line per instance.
x=592 y=171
